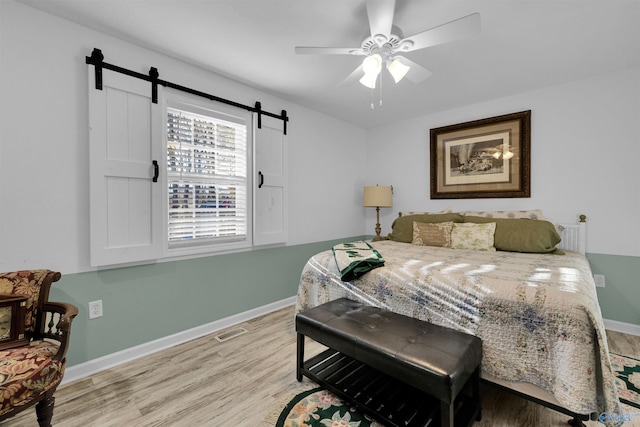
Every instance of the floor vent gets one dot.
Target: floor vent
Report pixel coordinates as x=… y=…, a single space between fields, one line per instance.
x=225 y=336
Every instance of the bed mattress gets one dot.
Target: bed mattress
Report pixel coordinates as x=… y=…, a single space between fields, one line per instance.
x=537 y=314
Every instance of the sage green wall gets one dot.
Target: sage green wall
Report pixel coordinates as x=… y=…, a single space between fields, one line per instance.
x=147 y=302
x=619 y=298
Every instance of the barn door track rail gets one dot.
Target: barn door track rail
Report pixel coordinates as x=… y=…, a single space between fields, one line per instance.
x=97 y=60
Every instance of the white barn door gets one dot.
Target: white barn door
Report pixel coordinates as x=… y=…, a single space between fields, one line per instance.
x=270 y=183
x=125 y=139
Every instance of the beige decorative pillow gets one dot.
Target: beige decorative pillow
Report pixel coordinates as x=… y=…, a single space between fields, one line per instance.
x=432 y=234
x=402 y=227
x=478 y=237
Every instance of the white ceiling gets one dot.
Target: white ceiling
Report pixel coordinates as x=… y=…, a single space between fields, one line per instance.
x=524 y=45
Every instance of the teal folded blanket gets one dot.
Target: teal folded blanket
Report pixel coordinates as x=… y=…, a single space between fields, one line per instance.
x=355 y=259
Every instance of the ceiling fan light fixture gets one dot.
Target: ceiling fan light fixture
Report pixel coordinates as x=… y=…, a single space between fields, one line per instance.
x=398 y=70
x=386 y=44
x=369 y=80
x=372 y=64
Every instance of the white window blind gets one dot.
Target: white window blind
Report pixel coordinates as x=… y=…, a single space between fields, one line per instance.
x=207 y=179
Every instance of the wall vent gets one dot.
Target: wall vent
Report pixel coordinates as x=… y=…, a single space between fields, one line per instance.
x=225 y=336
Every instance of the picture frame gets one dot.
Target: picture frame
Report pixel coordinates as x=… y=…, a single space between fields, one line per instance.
x=486 y=158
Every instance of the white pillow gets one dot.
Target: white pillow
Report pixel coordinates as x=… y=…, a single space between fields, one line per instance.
x=528 y=214
x=449 y=209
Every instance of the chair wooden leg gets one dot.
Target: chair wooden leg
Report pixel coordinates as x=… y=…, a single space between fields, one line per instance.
x=44 y=411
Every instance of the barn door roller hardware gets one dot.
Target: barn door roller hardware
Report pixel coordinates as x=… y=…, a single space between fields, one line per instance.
x=97 y=60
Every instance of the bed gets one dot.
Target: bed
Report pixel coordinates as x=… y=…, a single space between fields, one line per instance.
x=535 y=308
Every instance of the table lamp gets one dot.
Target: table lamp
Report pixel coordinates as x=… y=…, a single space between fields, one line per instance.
x=377 y=197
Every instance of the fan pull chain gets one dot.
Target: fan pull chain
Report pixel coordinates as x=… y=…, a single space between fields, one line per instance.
x=372 y=106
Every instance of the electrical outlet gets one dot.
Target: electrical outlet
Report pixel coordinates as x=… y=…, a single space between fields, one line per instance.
x=599 y=279
x=95 y=309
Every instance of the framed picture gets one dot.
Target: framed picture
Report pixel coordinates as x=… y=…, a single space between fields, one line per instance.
x=485 y=158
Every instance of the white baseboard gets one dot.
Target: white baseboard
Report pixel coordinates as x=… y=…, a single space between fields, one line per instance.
x=626 y=328
x=82 y=370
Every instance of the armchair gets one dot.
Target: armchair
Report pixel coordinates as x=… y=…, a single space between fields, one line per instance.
x=30 y=374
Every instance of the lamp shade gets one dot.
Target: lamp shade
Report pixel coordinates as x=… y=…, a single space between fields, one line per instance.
x=377 y=197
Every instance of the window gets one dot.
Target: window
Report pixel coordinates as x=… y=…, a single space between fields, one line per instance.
x=207 y=177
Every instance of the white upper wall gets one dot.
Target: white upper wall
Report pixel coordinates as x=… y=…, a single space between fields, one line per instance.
x=44 y=188
x=585 y=150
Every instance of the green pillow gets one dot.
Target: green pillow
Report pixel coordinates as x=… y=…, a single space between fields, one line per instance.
x=522 y=235
x=402 y=227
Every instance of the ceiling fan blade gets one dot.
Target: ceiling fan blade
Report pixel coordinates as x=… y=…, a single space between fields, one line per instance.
x=417 y=72
x=329 y=50
x=454 y=30
x=353 y=77
x=380 y=13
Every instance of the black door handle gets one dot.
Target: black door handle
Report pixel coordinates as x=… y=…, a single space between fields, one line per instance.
x=156 y=170
x=261 y=179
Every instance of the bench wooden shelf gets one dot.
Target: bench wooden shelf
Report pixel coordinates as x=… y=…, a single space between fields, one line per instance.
x=384 y=398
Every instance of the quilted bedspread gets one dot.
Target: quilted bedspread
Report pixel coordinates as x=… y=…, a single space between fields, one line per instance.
x=537 y=314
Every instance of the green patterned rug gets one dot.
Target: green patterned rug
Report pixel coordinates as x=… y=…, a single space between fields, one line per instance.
x=627 y=378
x=319 y=408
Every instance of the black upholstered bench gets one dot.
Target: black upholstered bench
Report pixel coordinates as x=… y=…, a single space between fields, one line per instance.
x=400 y=370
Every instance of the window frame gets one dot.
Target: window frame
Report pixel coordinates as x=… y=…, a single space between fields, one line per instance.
x=175 y=100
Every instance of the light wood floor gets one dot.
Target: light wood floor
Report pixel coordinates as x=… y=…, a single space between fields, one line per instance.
x=241 y=382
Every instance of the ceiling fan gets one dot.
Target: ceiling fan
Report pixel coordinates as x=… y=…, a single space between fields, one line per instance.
x=386 y=43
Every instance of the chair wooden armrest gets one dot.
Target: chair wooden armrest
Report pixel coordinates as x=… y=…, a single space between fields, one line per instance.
x=56 y=324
